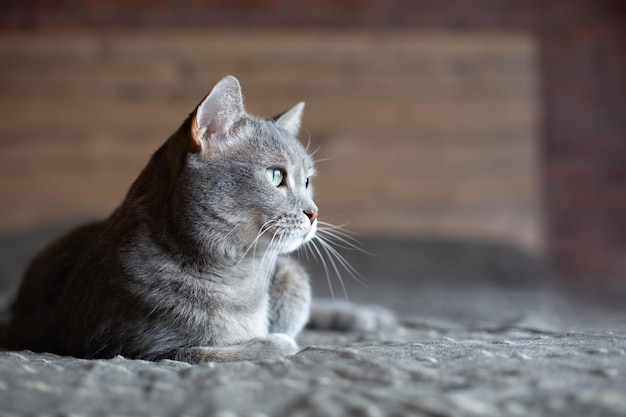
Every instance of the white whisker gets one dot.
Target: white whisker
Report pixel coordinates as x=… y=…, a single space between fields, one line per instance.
x=272 y=250
x=333 y=264
x=324 y=265
x=341 y=242
x=342 y=261
x=264 y=228
x=317 y=161
x=231 y=231
x=308 y=144
x=324 y=246
x=336 y=234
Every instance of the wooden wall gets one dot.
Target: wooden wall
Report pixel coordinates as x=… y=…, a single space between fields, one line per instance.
x=427 y=133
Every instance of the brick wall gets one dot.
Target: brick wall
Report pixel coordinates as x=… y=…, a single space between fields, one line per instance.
x=418 y=133
x=583 y=70
x=584 y=61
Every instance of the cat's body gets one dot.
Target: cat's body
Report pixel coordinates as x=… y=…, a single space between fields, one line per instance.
x=192 y=265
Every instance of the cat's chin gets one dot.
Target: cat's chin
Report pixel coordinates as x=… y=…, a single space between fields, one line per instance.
x=298 y=241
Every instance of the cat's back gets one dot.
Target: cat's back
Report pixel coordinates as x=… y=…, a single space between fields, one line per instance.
x=51 y=271
x=47 y=291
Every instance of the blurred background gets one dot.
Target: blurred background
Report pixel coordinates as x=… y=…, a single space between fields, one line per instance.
x=488 y=121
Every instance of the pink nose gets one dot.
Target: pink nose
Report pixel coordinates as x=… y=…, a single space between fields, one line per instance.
x=312 y=215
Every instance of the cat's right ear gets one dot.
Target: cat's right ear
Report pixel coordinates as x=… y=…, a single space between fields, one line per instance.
x=216 y=115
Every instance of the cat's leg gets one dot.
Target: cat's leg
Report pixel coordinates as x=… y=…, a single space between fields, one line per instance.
x=347 y=316
x=290 y=302
x=274 y=345
x=290 y=310
x=290 y=298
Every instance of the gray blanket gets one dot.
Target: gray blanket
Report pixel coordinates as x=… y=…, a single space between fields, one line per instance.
x=485 y=330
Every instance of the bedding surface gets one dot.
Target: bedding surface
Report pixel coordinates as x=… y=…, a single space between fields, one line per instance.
x=483 y=330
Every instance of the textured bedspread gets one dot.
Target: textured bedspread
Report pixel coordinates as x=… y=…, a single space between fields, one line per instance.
x=484 y=331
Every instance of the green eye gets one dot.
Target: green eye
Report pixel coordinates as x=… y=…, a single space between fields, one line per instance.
x=276 y=176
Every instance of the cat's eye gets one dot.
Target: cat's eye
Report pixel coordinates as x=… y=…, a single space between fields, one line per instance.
x=276 y=176
x=308 y=181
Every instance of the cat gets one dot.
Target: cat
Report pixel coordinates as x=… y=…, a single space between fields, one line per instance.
x=194 y=265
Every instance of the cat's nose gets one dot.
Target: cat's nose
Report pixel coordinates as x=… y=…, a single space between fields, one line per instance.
x=312 y=215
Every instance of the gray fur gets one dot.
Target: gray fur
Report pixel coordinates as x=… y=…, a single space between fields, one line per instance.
x=193 y=265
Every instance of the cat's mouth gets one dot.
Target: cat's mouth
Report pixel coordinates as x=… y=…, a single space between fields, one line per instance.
x=291 y=241
x=311 y=233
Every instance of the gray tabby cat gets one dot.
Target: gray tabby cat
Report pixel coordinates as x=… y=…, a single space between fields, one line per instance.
x=192 y=265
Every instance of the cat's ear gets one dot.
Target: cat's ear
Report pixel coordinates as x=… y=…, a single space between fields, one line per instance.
x=216 y=115
x=291 y=119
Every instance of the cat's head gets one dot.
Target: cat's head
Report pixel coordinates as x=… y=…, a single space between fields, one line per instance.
x=247 y=180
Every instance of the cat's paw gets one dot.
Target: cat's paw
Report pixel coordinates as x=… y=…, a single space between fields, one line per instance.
x=278 y=344
x=346 y=316
x=274 y=345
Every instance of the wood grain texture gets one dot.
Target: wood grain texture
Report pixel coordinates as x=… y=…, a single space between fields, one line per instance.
x=427 y=133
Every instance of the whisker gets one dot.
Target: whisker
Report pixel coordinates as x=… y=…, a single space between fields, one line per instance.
x=302 y=251
x=342 y=242
x=337 y=233
x=264 y=228
x=339 y=229
x=231 y=231
x=342 y=261
x=325 y=247
x=316 y=161
x=308 y=144
x=324 y=265
x=271 y=250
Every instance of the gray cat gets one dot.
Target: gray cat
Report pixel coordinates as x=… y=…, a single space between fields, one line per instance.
x=192 y=266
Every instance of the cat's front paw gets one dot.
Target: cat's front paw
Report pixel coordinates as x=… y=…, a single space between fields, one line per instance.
x=346 y=316
x=278 y=344
x=274 y=345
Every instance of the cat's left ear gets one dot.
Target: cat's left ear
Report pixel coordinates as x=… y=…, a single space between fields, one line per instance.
x=216 y=115
x=291 y=119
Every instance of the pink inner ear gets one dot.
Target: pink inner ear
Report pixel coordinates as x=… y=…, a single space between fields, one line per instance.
x=216 y=115
x=221 y=108
x=195 y=145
